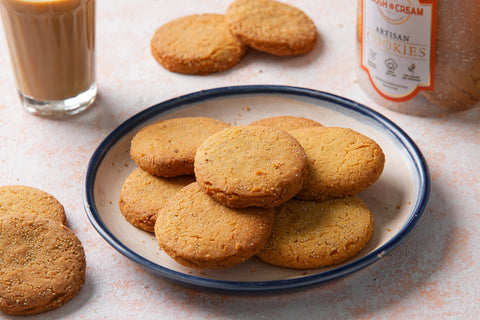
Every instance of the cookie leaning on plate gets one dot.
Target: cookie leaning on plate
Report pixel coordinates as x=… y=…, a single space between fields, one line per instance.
x=143 y=194
x=42 y=264
x=341 y=162
x=246 y=166
x=167 y=148
x=198 y=232
x=271 y=26
x=26 y=199
x=311 y=234
x=197 y=44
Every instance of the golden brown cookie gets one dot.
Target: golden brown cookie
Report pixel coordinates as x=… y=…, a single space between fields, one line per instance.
x=167 y=148
x=341 y=162
x=311 y=234
x=271 y=26
x=42 y=264
x=197 y=44
x=198 y=232
x=26 y=199
x=143 y=195
x=246 y=166
x=286 y=123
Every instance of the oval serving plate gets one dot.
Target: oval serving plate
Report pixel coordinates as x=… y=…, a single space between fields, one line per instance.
x=397 y=200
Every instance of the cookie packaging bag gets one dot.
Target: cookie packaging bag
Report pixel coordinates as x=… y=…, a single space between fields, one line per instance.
x=420 y=57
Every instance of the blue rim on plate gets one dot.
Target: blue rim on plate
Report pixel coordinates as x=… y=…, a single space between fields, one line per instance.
x=347 y=106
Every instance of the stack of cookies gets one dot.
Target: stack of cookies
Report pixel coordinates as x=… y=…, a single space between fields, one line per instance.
x=281 y=188
x=208 y=43
x=42 y=262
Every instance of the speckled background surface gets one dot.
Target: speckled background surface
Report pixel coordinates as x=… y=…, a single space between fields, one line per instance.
x=433 y=274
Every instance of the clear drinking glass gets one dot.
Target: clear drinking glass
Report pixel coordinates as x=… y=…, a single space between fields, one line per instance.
x=52 y=49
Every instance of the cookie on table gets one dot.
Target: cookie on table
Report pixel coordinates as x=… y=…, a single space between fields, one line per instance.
x=271 y=26
x=341 y=162
x=143 y=194
x=315 y=234
x=167 y=148
x=246 y=166
x=42 y=264
x=286 y=123
x=199 y=232
x=197 y=44
x=26 y=199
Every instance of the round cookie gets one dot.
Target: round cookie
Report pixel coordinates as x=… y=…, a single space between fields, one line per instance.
x=197 y=44
x=246 y=166
x=271 y=26
x=143 y=195
x=312 y=234
x=167 y=148
x=26 y=199
x=341 y=162
x=42 y=264
x=198 y=232
x=286 y=123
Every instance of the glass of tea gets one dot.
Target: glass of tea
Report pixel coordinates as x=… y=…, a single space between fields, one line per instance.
x=52 y=49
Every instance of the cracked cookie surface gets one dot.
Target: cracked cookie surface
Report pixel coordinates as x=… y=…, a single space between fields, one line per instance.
x=272 y=26
x=143 y=194
x=286 y=123
x=340 y=162
x=197 y=44
x=313 y=234
x=167 y=148
x=26 y=199
x=251 y=166
x=42 y=264
x=198 y=232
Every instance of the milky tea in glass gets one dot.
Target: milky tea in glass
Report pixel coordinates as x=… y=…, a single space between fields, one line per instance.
x=52 y=48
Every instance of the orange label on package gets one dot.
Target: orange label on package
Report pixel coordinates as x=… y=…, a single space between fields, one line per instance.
x=398 y=46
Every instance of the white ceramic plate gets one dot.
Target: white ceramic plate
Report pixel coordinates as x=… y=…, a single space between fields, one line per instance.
x=397 y=199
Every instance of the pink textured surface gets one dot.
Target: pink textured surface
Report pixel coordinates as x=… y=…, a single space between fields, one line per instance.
x=433 y=274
